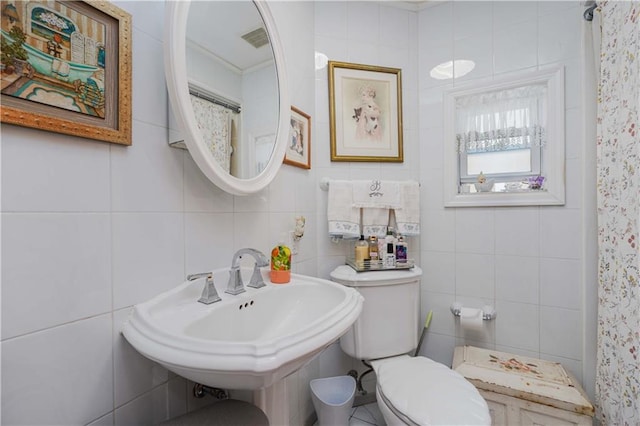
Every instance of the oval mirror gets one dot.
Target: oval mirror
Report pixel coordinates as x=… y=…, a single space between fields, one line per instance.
x=226 y=80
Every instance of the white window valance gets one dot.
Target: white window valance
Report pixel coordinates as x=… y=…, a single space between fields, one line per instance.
x=501 y=120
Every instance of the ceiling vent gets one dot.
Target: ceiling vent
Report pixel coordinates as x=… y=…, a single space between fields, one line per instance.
x=256 y=38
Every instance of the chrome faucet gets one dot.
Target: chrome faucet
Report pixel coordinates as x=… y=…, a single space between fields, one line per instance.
x=209 y=293
x=235 y=285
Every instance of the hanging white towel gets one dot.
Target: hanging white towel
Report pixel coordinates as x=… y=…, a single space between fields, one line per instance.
x=380 y=194
x=408 y=215
x=343 y=217
x=375 y=221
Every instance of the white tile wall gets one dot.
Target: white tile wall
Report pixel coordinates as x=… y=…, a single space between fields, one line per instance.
x=511 y=12
x=59 y=376
x=526 y=261
x=147 y=177
x=439 y=272
x=200 y=195
x=148 y=255
x=92 y=228
x=517 y=278
x=134 y=374
x=559 y=332
x=518 y=325
x=515 y=46
x=475 y=231
x=559 y=280
x=512 y=238
x=366 y=33
x=472 y=19
x=147 y=409
x=49 y=254
x=53 y=173
x=475 y=275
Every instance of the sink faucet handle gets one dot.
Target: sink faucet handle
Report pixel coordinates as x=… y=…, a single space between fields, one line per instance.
x=235 y=285
x=256 y=278
x=209 y=293
x=199 y=275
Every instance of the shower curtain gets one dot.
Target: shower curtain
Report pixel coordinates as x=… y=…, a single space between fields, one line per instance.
x=215 y=123
x=618 y=204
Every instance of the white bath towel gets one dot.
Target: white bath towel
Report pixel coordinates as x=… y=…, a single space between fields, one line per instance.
x=375 y=221
x=408 y=215
x=343 y=217
x=379 y=194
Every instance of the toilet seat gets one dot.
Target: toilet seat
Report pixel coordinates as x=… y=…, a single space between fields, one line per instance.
x=420 y=391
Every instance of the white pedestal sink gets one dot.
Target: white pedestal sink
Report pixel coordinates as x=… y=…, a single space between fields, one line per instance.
x=249 y=341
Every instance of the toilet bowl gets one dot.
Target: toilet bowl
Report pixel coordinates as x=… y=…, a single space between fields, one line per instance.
x=420 y=391
x=409 y=390
x=332 y=399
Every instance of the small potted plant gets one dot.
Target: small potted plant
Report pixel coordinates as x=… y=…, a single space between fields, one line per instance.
x=14 y=56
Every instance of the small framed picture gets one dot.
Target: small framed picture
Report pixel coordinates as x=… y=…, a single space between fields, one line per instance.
x=365 y=106
x=298 y=151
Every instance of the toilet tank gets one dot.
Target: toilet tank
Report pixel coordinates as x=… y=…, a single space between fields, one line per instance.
x=389 y=322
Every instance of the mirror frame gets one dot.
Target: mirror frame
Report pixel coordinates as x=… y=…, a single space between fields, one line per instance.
x=553 y=157
x=175 y=65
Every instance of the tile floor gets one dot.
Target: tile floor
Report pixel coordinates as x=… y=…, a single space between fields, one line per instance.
x=365 y=415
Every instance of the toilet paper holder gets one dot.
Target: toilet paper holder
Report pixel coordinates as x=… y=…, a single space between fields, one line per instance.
x=488 y=311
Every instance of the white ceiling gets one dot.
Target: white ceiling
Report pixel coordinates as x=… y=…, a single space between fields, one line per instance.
x=217 y=26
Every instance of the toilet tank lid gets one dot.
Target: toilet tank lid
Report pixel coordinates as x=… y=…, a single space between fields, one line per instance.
x=429 y=393
x=346 y=275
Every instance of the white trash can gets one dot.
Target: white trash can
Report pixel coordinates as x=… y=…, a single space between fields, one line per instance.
x=333 y=398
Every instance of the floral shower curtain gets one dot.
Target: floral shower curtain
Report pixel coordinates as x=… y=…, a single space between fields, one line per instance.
x=618 y=178
x=215 y=123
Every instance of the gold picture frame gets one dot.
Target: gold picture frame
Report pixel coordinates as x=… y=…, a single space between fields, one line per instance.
x=66 y=68
x=298 y=152
x=365 y=108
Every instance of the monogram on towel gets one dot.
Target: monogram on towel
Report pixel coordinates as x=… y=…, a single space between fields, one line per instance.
x=377 y=194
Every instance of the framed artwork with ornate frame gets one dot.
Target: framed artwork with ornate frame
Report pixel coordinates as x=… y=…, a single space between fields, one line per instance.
x=365 y=106
x=66 y=68
x=298 y=151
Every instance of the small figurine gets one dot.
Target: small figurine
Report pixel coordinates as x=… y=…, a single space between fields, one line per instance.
x=483 y=184
x=536 y=182
x=299 y=230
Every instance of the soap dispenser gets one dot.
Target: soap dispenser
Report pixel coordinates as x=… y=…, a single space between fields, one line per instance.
x=280 y=264
x=362 y=250
x=401 y=250
x=389 y=259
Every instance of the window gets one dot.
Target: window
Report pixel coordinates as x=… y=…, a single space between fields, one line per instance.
x=509 y=134
x=500 y=134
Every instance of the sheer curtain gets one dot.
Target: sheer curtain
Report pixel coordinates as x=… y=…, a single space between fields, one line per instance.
x=618 y=205
x=502 y=120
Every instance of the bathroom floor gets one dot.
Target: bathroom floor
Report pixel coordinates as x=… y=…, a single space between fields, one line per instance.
x=365 y=415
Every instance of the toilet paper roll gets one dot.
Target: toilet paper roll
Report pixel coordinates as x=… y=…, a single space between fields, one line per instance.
x=471 y=319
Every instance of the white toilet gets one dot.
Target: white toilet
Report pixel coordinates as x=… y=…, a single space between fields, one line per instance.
x=409 y=390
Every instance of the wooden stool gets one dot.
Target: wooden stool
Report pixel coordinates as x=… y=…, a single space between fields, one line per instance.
x=522 y=390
